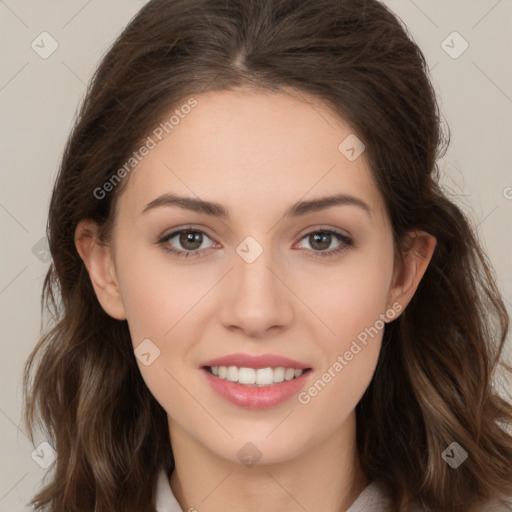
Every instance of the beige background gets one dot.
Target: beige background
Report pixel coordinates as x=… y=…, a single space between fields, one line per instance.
x=39 y=98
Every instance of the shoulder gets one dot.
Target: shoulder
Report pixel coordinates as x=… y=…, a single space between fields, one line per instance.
x=375 y=497
x=495 y=506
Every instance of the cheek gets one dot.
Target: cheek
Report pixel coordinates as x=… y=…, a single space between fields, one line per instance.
x=351 y=303
x=157 y=295
x=337 y=388
x=162 y=302
x=351 y=298
x=350 y=353
x=158 y=299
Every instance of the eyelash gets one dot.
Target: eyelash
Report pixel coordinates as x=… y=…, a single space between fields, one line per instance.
x=345 y=245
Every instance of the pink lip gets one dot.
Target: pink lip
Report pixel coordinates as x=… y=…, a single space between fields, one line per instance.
x=260 y=361
x=254 y=397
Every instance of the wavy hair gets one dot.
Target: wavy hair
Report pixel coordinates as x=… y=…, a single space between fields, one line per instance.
x=434 y=379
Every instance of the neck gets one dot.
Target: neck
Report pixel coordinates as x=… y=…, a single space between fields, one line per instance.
x=327 y=477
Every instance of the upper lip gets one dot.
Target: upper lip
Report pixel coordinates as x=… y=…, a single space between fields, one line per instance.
x=259 y=361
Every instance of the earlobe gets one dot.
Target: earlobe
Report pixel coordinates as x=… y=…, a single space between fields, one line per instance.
x=416 y=259
x=97 y=258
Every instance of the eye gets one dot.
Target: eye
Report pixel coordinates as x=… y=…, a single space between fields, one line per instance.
x=189 y=241
x=321 y=240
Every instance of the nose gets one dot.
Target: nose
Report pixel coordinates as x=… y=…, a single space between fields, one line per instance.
x=258 y=302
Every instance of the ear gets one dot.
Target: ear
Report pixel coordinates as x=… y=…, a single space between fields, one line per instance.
x=99 y=262
x=416 y=258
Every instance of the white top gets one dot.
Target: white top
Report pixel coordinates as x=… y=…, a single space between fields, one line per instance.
x=371 y=498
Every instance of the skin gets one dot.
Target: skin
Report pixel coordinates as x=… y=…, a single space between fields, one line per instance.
x=255 y=153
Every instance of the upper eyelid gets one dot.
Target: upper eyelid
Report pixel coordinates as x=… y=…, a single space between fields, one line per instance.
x=173 y=232
x=315 y=229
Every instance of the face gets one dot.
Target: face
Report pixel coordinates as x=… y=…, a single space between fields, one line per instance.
x=267 y=277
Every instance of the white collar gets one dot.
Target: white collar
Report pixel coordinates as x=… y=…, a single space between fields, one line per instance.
x=164 y=499
x=371 y=498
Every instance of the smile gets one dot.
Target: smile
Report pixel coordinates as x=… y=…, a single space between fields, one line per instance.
x=255 y=376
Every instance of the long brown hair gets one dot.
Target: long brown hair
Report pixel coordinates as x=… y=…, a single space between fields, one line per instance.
x=434 y=380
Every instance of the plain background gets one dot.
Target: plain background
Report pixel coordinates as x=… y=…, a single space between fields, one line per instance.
x=39 y=98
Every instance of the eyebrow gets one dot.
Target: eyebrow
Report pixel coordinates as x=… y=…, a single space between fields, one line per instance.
x=217 y=210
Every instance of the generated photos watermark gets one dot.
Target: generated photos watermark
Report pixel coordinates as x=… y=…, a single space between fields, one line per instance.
x=150 y=143
x=344 y=359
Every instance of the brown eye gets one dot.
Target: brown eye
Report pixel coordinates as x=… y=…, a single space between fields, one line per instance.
x=191 y=240
x=320 y=243
x=320 y=240
x=185 y=242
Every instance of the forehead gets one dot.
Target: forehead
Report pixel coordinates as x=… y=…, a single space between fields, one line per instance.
x=250 y=149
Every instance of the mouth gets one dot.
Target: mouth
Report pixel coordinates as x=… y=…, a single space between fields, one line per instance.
x=255 y=381
x=256 y=377
x=256 y=387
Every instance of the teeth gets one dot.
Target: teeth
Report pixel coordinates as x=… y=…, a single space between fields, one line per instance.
x=265 y=377
x=259 y=377
x=289 y=374
x=247 y=376
x=279 y=374
x=232 y=374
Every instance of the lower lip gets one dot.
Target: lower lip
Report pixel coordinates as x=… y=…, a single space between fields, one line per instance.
x=255 y=397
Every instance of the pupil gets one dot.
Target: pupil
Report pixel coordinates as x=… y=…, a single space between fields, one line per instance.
x=317 y=241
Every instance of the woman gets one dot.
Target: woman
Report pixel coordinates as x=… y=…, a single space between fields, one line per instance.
x=267 y=302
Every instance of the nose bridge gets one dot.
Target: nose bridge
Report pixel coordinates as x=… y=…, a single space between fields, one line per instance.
x=258 y=300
